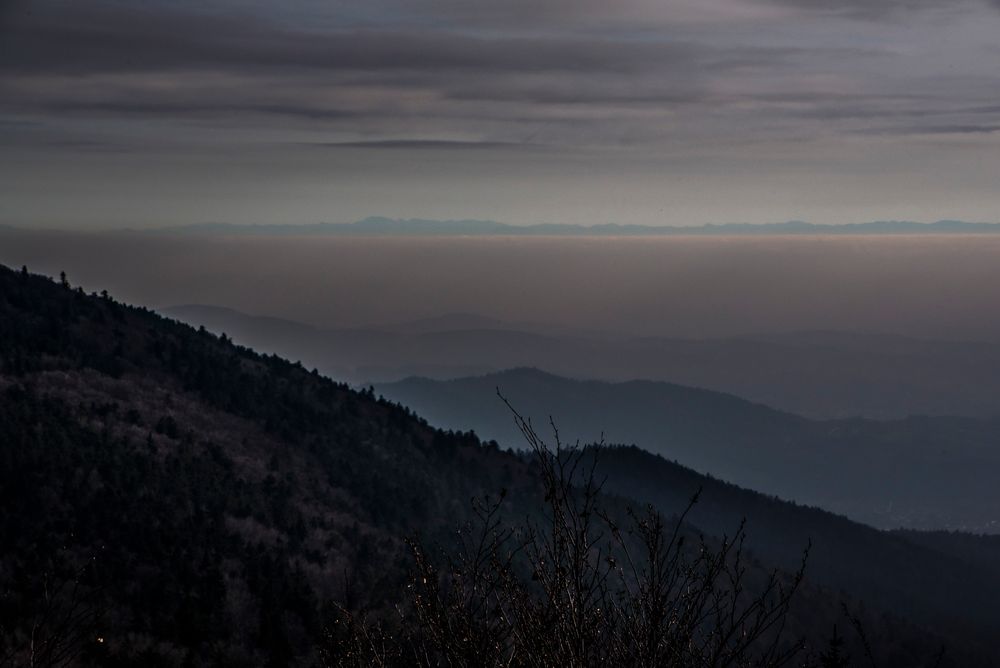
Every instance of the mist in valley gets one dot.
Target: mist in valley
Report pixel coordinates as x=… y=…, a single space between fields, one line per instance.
x=935 y=287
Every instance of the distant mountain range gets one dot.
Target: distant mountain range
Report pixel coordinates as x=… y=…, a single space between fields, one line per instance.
x=926 y=473
x=379 y=226
x=816 y=374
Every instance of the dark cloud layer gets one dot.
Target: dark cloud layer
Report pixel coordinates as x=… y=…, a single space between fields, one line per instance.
x=79 y=41
x=867 y=9
x=422 y=144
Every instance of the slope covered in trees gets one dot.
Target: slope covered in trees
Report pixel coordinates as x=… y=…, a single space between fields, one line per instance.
x=213 y=498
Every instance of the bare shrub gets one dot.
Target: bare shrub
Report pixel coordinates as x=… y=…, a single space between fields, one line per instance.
x=583 y=583
x=62 y=623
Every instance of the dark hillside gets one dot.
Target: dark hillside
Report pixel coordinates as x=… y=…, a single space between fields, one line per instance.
x=216 y=497
x=891 y=568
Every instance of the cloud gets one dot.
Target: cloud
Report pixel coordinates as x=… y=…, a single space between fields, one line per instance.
x=129 y=62
x=878 y=9
x=962 y=129
x=81 y=41
x=689 y=91
x=424 y=144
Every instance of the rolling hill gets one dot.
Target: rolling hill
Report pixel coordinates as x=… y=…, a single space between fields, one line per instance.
x=921 y=472
x=816 y=374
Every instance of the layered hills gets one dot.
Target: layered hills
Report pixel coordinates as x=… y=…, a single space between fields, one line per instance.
x=171 y=498
x=918 y=472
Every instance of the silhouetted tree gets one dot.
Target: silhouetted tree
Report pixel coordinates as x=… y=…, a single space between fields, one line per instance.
x=834 y=656
x=576 y=587
x=63 y=625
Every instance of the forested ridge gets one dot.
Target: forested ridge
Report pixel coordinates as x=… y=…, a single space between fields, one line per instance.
x=212 y=499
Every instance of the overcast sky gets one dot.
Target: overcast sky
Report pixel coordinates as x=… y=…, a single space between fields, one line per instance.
x=671 y=111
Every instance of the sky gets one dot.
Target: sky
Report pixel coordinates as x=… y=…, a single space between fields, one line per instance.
x=934 y=287
x=680 y=112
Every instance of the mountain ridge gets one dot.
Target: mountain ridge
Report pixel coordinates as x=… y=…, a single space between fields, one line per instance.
x=380 y=226
x=829 y=376
x=888 y=473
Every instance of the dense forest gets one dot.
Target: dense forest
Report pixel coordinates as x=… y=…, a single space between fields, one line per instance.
x=172 y=499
